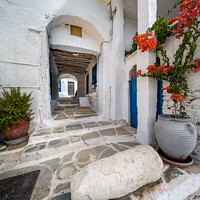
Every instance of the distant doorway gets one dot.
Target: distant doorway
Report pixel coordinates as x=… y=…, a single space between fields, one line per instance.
x=71 y=88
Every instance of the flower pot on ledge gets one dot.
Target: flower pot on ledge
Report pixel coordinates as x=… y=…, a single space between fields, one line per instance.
x=176 y=137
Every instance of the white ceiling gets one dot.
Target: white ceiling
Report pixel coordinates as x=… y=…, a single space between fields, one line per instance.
x=130 y=8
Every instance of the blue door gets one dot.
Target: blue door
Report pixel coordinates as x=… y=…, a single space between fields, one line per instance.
x=159 y=99
x=87 y=84
x=133 y=102
x=159 y=94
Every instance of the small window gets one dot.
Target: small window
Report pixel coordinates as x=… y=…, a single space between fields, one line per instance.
x=76 y=31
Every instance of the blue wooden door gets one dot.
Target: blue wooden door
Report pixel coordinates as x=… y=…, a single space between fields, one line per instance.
x=133 y=102
x=159 y=94
x=159 y=99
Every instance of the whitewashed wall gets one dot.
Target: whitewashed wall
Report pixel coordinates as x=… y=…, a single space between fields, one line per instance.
x=24 y=56
x=62 y=39
x=130 y=28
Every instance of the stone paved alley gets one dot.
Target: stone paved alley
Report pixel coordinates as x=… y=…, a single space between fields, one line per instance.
x=59 y=151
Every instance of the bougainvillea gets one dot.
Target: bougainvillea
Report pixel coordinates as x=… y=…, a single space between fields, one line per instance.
x=186 y=27
x=144 y=42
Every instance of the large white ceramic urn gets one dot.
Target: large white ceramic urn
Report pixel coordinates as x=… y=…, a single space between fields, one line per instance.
x=176 y=137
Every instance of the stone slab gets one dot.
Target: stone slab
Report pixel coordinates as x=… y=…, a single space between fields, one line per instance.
x=73 y=127
x=122 y=131
x=91 y=135
x=61 y=117
x=91 y=125
x=57 y=143
x=108 y=132
x=105 y=123
x=18 y=187
x=66 y=196
x=117 y=175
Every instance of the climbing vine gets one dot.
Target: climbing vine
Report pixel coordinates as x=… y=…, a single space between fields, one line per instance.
x=186 y=28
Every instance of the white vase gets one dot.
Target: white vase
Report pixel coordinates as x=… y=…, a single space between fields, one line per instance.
x=176 y=137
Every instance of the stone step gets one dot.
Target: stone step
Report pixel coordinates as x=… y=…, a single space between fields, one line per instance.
x=75 y=141
x=77 y=119
x=63 y=131
x=175 y=184
x=57 y=168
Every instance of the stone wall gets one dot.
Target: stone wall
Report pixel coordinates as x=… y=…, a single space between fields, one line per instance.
x=192 y=102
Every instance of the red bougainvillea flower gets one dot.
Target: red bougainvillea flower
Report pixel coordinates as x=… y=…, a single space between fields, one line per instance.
x=173 y=20
x=162 y=68
x=196 y=68
x=167 y=88
x=196 y=60
x=189 y=9
x=144 y=43
x=139 y=72
x=176 y=97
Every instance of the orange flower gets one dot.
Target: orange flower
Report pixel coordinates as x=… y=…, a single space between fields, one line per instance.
x=197 y=60
x=150 y=73
x=150 y=67
x=139 y=72
x=173 y=20
x=176 y=97
x=144 y=43
x=196 y=68
x=167 y=88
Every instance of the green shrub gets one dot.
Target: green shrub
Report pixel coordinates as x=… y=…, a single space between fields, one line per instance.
x=13 y=107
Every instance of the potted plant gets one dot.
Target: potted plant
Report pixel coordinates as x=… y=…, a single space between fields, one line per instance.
x=175 y=134
x=15 y=113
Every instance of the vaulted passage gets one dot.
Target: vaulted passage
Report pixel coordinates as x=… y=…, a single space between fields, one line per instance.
x=72 y=62
x=73 y=75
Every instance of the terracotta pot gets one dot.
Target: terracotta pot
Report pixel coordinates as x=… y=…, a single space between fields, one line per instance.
x=17 y=130
x=176 y=137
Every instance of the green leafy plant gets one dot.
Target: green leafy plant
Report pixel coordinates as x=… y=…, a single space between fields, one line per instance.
x=162 y=30
x=13 y=107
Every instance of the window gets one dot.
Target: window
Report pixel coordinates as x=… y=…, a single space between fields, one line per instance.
x=76 y=31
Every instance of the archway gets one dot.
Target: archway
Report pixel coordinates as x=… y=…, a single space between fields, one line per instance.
x=74 y=51
x=67 y=85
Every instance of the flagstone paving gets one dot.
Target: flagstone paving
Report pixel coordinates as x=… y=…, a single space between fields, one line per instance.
x=58 y=152
x=72 y=112
x=62 y=150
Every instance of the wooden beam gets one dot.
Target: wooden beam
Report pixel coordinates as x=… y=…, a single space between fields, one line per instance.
x=71 y=61
x=72 y=64
x=70 y=67
x=71 y=54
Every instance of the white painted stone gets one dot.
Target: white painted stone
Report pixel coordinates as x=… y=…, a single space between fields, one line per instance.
x=178 y=189
x=117 y=175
